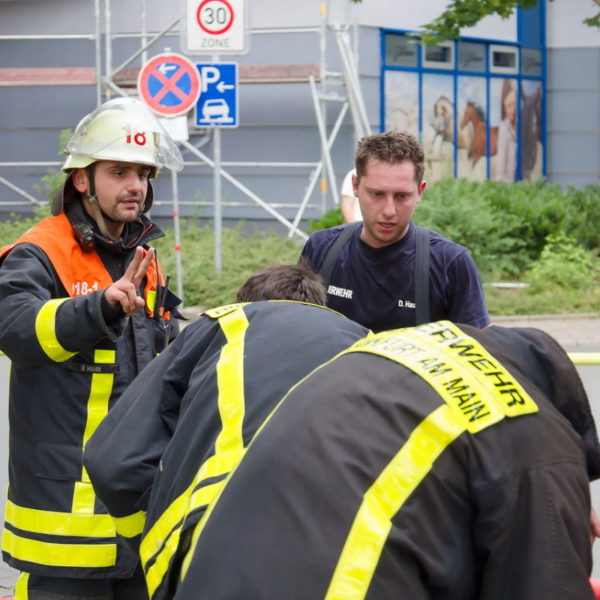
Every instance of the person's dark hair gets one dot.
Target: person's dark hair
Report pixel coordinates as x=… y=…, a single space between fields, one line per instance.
x=284 y=282
x=390 y=147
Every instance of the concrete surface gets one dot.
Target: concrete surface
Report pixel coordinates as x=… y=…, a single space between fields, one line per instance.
x=574 y=332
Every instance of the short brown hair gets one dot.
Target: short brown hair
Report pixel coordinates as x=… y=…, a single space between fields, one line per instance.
x=390 y=147
x=284 y=282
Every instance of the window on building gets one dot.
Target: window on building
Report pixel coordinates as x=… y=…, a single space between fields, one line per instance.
x=476 y=106
x=400 y=51
x=504 y=59
x=439 y=57
x=531 y=62
x=471 y=57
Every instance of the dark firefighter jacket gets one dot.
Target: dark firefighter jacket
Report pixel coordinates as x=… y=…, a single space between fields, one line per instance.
x=423 y=464
x=195 y=409
x=72 y=356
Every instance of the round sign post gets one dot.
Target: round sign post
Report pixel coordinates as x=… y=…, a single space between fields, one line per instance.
x=169 y=84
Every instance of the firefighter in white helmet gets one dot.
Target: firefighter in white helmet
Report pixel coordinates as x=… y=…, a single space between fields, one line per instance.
x=83 y=308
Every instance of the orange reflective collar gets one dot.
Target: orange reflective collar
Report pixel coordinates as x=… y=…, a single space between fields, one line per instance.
x=80 y=272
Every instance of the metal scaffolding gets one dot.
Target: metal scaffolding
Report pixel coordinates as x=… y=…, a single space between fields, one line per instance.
x=346 y=95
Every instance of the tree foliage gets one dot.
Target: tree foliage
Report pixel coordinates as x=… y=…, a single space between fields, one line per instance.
x=467 y=13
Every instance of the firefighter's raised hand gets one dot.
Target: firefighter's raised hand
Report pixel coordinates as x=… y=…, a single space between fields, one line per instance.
x=124 y=290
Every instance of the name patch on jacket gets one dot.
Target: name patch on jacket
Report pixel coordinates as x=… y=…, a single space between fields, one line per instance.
x=341 y=292
x=465 y=375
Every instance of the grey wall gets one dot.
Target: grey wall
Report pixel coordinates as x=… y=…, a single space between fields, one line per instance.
x=277 y=121
x=573 y=116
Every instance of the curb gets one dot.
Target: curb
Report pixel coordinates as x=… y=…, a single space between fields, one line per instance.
x=557 y=317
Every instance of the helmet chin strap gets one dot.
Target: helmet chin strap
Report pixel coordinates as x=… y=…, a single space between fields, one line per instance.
x=98 y=214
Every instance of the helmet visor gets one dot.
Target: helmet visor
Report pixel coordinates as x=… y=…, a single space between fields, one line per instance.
x=125 y=129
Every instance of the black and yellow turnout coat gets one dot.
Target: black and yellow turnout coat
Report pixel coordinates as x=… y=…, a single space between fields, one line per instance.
x=72 y=357
x=163 y=453
x=431 y=463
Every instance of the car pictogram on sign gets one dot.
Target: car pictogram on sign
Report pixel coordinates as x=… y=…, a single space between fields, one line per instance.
x=216 y=108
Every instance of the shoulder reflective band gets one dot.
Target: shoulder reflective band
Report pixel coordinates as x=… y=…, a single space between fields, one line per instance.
x=477 y=392
x=458 y=368
x=221 y=311
x=45 y=330
x=229 y=448
x=370 y=529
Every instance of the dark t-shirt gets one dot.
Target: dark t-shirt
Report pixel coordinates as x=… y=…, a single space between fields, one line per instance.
x=376 y=286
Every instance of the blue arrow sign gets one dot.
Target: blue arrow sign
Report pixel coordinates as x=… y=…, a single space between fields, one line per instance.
x=218 y=102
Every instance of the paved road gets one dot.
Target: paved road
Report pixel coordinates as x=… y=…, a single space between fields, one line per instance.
x=590 y=376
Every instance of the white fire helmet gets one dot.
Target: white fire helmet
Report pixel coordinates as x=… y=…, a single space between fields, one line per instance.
x=123 y=129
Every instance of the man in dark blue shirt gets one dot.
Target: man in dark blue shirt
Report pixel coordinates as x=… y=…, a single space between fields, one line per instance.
x=373 y=278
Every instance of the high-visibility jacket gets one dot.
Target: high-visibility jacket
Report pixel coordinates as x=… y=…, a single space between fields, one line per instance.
x=186 y=421
x=69 y=366
x=423 y=463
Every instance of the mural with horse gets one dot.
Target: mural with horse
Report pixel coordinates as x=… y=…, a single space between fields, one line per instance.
x=503 y=144
x=473 y=121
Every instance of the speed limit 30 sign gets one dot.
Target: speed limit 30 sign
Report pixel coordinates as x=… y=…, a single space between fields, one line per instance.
x=215 y=27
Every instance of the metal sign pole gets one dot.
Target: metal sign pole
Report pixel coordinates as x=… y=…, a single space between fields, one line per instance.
x=217 y=193
x=176 y=229
x=217 y=217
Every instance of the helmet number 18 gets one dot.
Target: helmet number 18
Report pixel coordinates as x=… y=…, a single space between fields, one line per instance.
x=137 y=138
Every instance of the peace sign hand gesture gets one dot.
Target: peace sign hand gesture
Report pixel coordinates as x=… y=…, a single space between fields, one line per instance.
x=124 y=290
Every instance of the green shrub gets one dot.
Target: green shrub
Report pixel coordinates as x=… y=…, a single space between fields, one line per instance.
x=508 y=228
x=331 y=218
x=563 y=263
x=460 y=210
x=241 y=255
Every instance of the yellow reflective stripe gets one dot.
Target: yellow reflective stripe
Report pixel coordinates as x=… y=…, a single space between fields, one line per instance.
x=45 y=331
x=200 y=525
x=221 y=311
x=131 y=525
x=230 y=382
x=185 y=564
x=164 y=526
x=205 y=495
x=163 y=538
x=59 y=555
x=151 y=300
x=217 y=465
x=97 y=408
x=84 y=498
x=461 y=371
x=58 y=523
x=512 y=399
x=385 y=497
x=21 y=592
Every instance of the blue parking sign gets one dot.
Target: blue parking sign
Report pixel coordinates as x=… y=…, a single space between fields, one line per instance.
x=218 y=102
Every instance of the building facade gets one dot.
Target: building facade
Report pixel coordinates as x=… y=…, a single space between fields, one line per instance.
x=514 y=99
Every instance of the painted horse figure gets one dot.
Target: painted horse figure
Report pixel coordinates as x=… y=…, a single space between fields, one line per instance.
x=475 y=117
